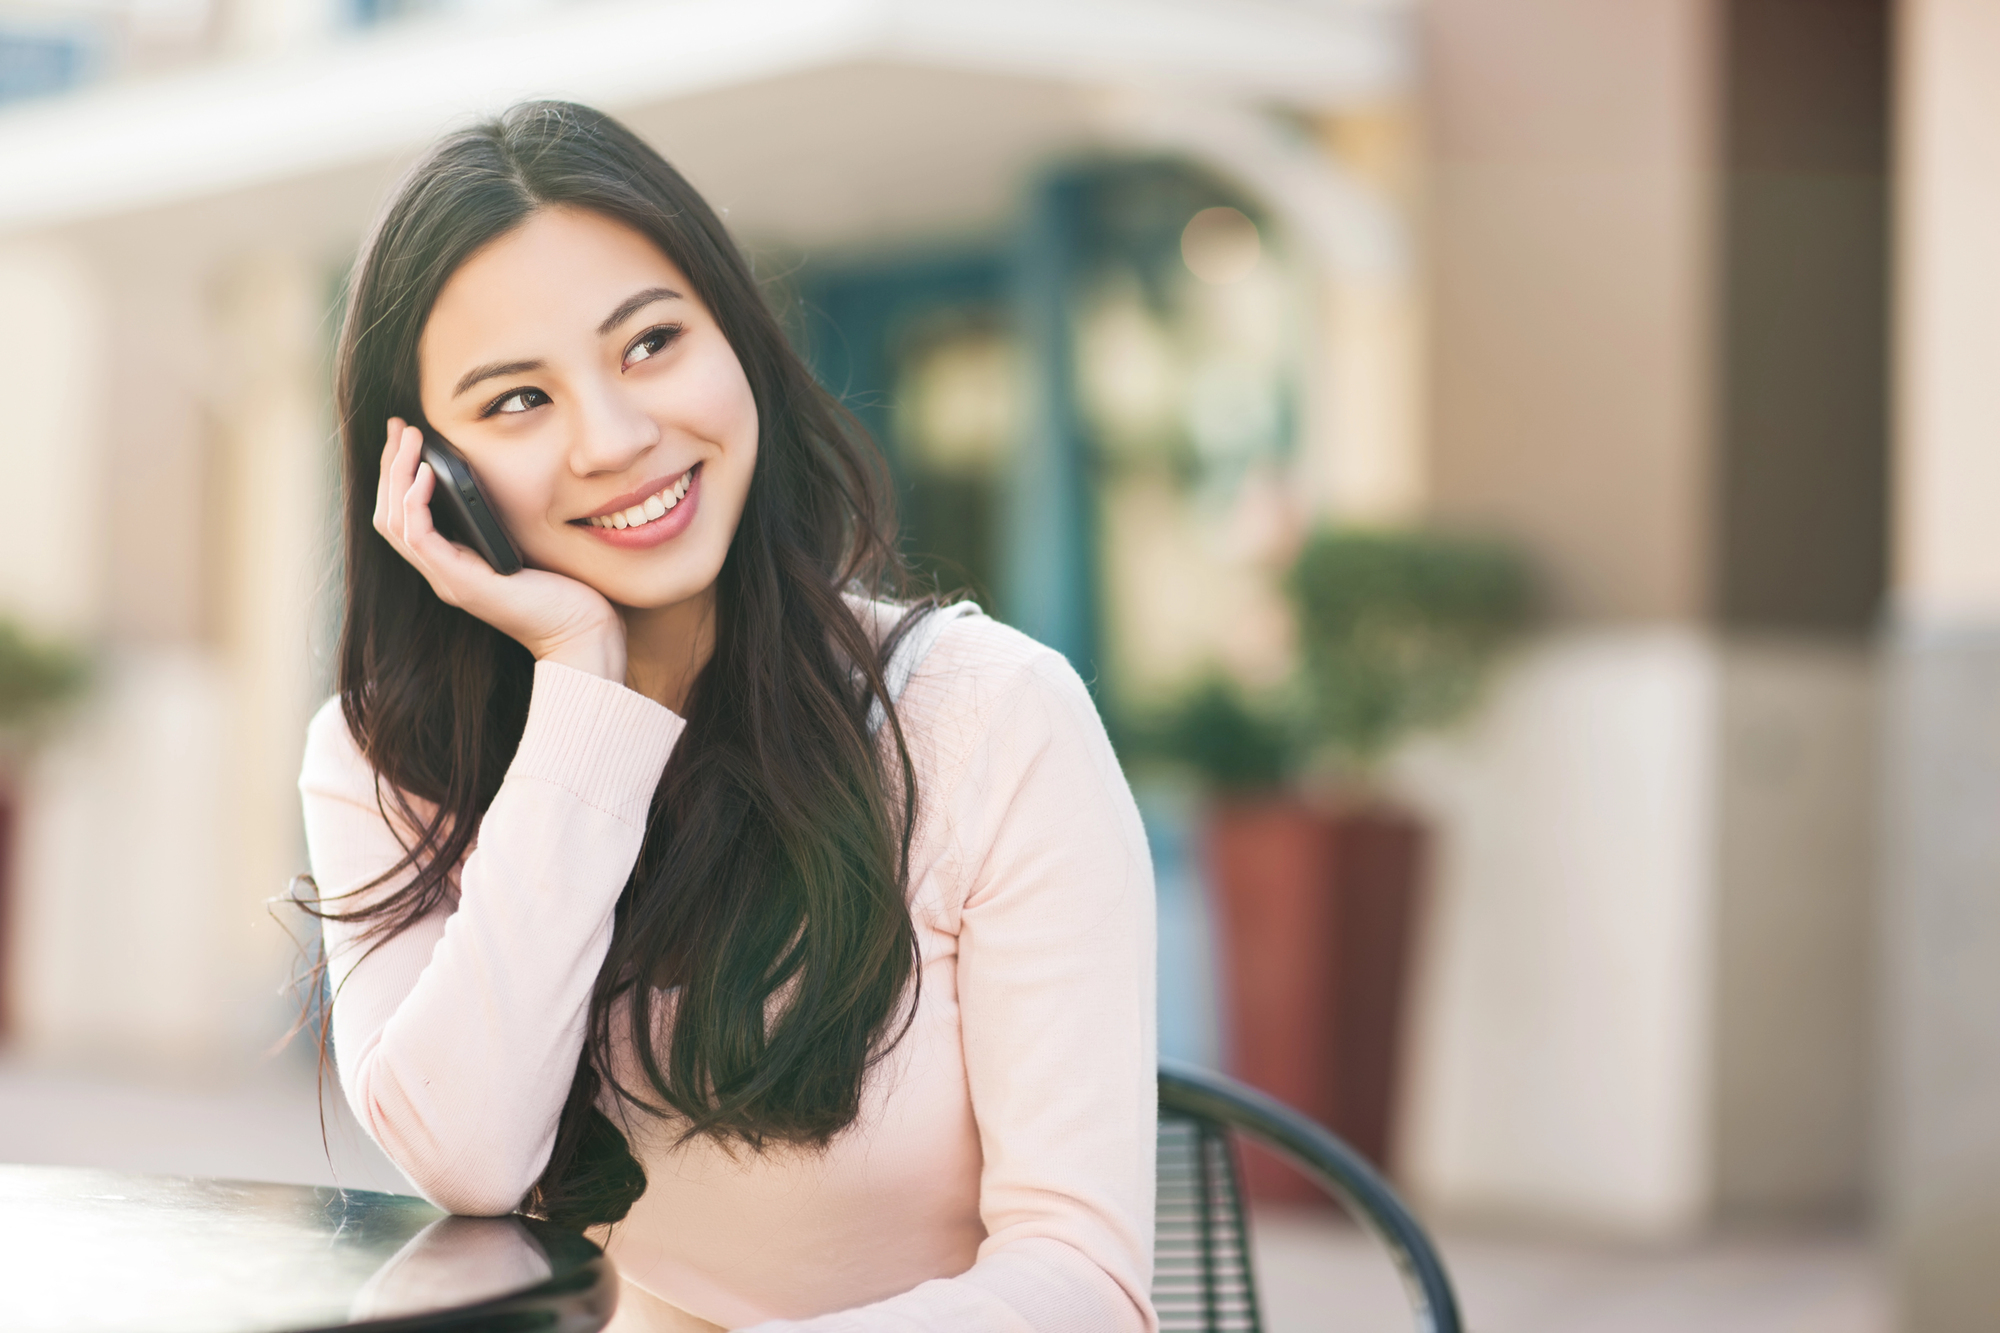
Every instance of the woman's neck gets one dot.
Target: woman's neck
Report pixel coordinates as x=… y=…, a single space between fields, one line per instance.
x=666 y=647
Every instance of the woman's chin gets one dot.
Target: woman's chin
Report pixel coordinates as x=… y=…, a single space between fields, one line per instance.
x=640 y=595
x=641 y=580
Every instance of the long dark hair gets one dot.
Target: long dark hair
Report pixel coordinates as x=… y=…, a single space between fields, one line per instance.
x=771 y=886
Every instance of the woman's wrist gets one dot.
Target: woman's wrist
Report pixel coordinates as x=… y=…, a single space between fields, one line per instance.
x=600 y=652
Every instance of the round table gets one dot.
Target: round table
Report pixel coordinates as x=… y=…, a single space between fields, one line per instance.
x=101 y=1250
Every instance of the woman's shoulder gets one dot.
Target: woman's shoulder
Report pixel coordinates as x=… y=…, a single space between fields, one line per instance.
x=978 y=672
x=955 y=643
x=989 y=714
x=978 y=648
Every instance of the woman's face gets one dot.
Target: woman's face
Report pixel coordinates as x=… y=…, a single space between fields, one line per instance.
x=605 y=415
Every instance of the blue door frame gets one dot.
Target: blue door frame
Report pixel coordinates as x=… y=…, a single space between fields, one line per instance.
x=853 y=316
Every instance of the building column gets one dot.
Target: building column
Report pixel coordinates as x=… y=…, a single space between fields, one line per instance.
x=1940 y=1176
x=1657 y=362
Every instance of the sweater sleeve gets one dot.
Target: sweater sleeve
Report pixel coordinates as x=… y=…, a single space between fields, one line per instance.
x=1055 y=986
x=457 y=1039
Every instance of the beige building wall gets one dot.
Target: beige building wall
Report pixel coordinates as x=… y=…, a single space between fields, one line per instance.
x=1562 y=1070
x=115 y=945
x=53 y=561
x=1572 y=261
x=157 y=827
x=1561 y=1067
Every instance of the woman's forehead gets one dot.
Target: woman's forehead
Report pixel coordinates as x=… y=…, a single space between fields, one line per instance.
x=556 y=278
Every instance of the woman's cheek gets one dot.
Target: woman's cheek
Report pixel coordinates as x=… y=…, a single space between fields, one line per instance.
x=524 y=501
x=715 y=403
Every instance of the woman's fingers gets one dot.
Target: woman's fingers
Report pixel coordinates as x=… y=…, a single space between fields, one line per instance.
x=403 y=508
x=445 y=564
x=382 y=499
x=421 y=538
x=417 y=505
x=399 y=468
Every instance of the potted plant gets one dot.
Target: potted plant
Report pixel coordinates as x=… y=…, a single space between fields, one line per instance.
x=1318 y=898
x=36 y=679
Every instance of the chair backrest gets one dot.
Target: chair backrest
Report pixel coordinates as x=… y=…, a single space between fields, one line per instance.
x=1203 y=1279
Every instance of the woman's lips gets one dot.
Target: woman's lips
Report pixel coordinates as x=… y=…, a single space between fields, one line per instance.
x=643 y=505
x=671 y=523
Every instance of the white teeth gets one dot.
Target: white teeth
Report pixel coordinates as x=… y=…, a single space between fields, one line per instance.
x=652 y=507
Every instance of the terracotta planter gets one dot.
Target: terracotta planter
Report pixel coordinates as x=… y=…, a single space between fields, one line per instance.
x=1317 y=915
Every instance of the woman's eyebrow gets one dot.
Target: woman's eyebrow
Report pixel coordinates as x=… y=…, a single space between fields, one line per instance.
x=634 y=302
x=478 y=373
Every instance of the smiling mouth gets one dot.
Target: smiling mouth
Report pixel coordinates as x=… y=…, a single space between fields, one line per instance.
x=648 y=510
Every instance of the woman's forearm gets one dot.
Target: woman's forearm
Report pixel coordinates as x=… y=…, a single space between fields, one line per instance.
x=457 y=1039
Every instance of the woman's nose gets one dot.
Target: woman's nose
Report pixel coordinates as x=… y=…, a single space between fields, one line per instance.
x=611 y=433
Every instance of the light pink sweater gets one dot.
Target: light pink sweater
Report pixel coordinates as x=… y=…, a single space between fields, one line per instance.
x=1001 y=1174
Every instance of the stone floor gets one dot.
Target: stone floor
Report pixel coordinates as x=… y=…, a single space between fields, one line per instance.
x=1317 y=1274
x=1320 y=1275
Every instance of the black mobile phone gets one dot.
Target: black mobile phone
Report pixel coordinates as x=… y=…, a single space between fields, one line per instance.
x=461 y=512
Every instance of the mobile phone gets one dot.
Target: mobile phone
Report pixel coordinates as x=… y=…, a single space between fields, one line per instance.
x=460 y=512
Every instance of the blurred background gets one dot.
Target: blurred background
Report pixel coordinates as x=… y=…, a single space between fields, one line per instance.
x=1523 y=480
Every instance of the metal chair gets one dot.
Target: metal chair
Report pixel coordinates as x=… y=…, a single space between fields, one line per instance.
x=1203 y=1281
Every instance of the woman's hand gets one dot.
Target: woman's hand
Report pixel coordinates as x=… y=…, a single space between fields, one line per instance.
x=558 y=619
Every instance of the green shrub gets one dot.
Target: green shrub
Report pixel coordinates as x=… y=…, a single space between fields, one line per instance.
x=1235 y=747
x=1397 y=631
x=36 y=677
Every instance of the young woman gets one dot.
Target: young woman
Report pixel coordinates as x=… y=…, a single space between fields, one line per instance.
x=800 y=942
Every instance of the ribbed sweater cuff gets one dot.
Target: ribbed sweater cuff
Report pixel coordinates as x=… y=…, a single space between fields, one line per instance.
x=600 y=742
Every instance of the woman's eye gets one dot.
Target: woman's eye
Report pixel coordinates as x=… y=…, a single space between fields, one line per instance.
x=652 y=342
x=518 y=401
